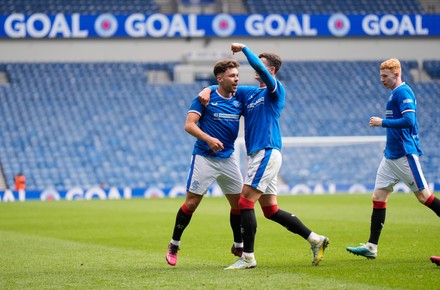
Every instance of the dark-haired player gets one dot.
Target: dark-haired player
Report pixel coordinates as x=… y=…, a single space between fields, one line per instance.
x=262 y=110
x=216 y=128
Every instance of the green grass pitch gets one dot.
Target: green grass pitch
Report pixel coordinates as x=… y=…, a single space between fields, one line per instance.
x=121 y=244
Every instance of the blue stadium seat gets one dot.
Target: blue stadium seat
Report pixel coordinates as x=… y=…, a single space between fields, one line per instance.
x=83 y=124
x=90 y=7
x=335 y=6
x=432 y=67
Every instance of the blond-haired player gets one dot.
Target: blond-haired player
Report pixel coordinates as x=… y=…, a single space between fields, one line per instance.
x=401 y=156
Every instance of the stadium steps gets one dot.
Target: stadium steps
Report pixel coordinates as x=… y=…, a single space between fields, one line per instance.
x=3 y=184
x=234 y=7
x=4 y=80
x=166 y=7
x=430 y=6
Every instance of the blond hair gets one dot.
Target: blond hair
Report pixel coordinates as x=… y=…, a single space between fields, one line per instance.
x=393 y=64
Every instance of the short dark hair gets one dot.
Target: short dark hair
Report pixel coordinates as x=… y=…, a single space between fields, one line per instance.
x=272 y=60
x=223 y=65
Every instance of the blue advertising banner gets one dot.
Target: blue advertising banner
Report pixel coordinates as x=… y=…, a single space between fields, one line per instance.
x=158 y=25
x=78 y=193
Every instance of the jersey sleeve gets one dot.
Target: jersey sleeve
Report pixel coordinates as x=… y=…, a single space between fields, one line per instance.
x=407 y=121
x=196 y=107
x=259 y=67
x=407 y=106
x=406 y=101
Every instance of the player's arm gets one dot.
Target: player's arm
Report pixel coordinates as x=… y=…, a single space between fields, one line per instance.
x=407 y=121
x=191 y=126
x=257 y=65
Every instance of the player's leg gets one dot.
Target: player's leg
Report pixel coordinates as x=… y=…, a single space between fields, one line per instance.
x=291 y=222
x=259 y=174
x=380 y=197
x=183 y=217
x=246 y=204
x=231 y=182
x=185 y=213
x=200 y=177
x=413 y=176
x=235 y=222
x=431 y=201
x=385 y=181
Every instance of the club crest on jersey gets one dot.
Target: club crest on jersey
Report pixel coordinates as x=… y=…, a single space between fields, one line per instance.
x=236 y=104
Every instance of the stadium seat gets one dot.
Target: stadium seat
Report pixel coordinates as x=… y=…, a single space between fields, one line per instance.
x=83 y=124
x=335 y=6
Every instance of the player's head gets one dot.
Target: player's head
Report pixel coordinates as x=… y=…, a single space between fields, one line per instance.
x=390 y=73
x=226 y=73
x=272 y=61
x=223 y=65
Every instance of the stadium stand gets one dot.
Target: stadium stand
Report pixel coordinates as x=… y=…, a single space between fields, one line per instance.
x=344 y=95
x=334 y=6
x=83 y=124
x=79 y=6
x=224 y=6
x=432 y=67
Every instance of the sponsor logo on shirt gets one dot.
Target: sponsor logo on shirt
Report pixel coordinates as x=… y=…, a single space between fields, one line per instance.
x=406 y=101
x=258 y=102
x=227 y=116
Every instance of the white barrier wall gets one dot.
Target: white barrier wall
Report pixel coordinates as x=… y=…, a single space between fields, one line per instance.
x=65 y=50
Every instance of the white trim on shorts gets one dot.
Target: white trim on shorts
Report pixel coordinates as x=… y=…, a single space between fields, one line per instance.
x=204 y=171
x=262 y=170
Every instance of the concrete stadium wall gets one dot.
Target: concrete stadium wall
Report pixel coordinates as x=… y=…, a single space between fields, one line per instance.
x=153 y=50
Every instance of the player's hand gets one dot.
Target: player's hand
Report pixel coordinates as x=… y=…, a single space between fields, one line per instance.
x=375 y=122
x=237 y=47
x=205 y=96
x=215 y=145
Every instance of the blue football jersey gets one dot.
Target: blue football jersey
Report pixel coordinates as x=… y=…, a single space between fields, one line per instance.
x=220 y=119
x=401 y=141
x=262 y=108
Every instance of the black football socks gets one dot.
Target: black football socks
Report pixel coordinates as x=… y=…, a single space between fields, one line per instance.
x=377 y=223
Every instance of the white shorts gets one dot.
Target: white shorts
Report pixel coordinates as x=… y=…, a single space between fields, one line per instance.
x=406 y=169
x=262 y=171
x=205 y=170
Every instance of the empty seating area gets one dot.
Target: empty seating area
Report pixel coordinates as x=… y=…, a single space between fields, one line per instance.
x=335 y=6
x=79 y=6
x=432 y=67
x=252 y=6
x=86 y=124
x=337 y=99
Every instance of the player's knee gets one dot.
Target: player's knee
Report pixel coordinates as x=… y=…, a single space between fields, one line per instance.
x=244 y=203
x=191 y=205
x=269 y=211
x=425 y=199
